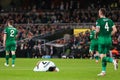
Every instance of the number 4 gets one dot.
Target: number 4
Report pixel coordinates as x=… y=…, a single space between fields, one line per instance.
x=106 y=26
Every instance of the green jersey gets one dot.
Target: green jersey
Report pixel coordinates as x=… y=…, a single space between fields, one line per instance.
x=105 y=26
x=92 y=35
x=104 y=36
x=11 y=33
x=94 y=41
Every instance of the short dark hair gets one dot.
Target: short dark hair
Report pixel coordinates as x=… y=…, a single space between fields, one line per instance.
x=51 y=68
x=11 y=22
x=103 y=10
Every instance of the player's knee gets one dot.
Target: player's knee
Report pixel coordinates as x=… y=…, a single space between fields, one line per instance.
x=7 y=52
x=13 y=52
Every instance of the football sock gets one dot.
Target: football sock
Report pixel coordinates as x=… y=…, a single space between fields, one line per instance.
x=108 y=59
x=96 y=57
x=7 y=59
x=104 y=64
x=13 y=59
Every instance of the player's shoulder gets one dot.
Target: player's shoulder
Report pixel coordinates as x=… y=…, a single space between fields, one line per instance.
x=13 y=28
x=103 y=19
x=6 y=27
x=106 y=19
x=110 y=20
x=98 y=20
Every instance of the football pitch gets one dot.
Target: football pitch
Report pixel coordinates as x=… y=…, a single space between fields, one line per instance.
x=70 y=69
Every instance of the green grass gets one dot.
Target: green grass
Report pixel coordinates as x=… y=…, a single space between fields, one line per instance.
x=70 y=69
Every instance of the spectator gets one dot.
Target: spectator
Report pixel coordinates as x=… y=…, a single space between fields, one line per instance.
x=115 y=53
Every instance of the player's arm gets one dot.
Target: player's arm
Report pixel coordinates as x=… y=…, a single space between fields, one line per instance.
x=97 y=27
x=38 y=64
x=4 y=39
x=114 y=30
x=97 y=31
x=17 y=35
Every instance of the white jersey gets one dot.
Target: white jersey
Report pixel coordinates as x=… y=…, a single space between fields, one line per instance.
x=44 y=66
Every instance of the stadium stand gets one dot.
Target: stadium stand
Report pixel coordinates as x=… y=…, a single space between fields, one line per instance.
x=37 y=20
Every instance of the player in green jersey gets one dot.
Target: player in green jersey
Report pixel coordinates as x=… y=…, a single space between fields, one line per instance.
x=94 y=44
x=9 y=42
x=105 y=28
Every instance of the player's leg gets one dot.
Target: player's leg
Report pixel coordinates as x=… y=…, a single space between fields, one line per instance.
x=110 y=59
x=96 y=56
x=13 y=49
x=91 y=54
x=7 y=58
x=107 y=59
x=7 y=48
x=13 y=58
x=104 y=64
x=105 y=49
x=91 y=51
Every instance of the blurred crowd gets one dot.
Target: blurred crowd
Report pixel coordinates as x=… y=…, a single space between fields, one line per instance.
x=27 y=5
x=56 y=16
x=59 y=11
x=74 y=47
x=28 y=31
x=78 y=46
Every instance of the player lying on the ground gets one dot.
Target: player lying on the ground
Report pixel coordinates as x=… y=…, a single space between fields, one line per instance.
x=46 y=66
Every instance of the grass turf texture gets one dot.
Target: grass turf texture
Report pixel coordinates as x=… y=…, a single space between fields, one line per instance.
x=70 y=69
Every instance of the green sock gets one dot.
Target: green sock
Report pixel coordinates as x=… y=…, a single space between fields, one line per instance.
x=108 y=59
x=7 y=59
x=13 y=59
x=96 y=57
x=104 y=64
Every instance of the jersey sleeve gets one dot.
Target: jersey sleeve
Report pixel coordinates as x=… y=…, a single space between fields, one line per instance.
x=112 y=23
x=16 y=31
x=98 y=24
x=5 y=30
